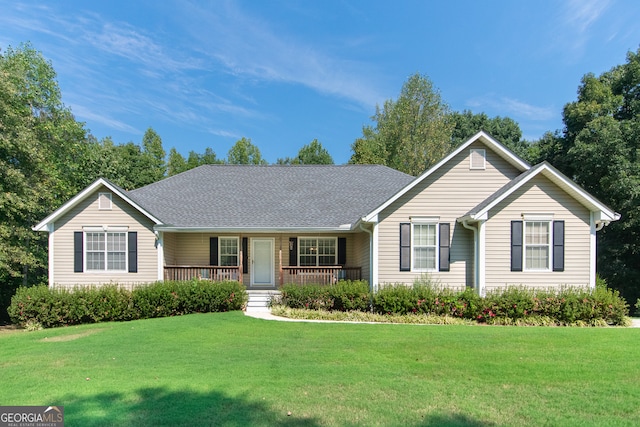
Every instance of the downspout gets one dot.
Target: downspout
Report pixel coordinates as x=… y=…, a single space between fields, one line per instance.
x=475 y=253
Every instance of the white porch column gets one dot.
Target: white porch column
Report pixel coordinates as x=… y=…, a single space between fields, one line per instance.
x=160 y=249
x=481 y=267
x=592 y=251
x=51 y=229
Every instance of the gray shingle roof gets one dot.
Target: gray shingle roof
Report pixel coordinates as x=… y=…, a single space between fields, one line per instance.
x=274 y=196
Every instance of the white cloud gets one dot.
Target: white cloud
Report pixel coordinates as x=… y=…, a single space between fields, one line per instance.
x=83 y=113
x=252 y=48
x=514 y=108
x=581 y=14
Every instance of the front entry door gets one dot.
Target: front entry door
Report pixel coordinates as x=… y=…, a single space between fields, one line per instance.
x=262 y=262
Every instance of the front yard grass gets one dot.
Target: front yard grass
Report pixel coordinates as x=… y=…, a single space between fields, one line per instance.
x=228 y=369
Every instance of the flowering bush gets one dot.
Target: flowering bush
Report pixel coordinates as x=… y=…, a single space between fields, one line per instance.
x=514 y=305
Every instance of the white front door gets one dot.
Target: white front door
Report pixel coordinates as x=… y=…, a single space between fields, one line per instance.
x=262 y=262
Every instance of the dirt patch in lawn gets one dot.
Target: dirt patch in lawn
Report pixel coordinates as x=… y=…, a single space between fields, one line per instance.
x=71 y=337
x=5 y=329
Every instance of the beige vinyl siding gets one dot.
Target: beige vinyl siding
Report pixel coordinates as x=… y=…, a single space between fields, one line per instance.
x=169 y=241
x=447 y=193
x=539 y=196
x=85 y=214
x=358 y=254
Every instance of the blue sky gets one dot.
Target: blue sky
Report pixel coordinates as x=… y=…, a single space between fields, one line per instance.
x=205 y=74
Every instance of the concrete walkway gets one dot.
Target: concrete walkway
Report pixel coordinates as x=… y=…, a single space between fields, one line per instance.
x=266 y=315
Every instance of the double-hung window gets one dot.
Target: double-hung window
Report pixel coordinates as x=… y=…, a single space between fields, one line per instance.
x=106 y=251
x=228 y=251
x=537 y=245
x=317 y=251
x=424 y=247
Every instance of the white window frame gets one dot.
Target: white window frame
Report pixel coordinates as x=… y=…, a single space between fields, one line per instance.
x=105 y=196
x=548 y=245
x=435 y=246
x=105 y=232
x=220 y=254
x=317 y=255
x=481 y=152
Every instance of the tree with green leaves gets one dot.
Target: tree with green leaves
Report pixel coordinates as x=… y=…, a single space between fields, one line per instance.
x=600 y=150
x=176 y=163
x=411 y=133
x=311 y=154
x=40 y=143
x=244 y=152
x=154 y=156
x=503 y=129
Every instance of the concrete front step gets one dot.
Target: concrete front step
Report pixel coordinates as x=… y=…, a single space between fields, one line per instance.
x=259 y=300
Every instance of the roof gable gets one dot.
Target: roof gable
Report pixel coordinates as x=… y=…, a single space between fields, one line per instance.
x=42 y=225
x=481 y=210
x=482 y=137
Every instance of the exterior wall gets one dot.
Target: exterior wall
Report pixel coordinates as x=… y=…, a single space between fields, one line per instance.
x=192 y=249
x=448 y=193
x=539 y=196
x=170 y=243
x=361 y=254
x=87 y=214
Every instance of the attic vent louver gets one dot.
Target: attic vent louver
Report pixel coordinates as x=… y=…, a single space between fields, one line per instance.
x=477 y=158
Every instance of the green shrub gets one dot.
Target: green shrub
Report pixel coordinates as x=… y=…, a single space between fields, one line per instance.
x=59 y=307
x=396 y=299
x=347 y=295
x=514 y=305
x=313 y=297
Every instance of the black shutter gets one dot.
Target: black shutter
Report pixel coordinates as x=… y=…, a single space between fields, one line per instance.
x=445 y=244
x=245 y=255
x=213 y=251
x=293 y=251
x=78 y=251
x=405 y=246
x=133 y=251
x=558 y=245
x=342 y=251
x=516 y=245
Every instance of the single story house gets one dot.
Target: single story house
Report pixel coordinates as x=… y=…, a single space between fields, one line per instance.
x=482 y=217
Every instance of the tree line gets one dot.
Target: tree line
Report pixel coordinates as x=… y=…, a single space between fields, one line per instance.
x=47 y=156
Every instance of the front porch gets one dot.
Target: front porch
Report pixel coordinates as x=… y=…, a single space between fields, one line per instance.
x=298 y=275
x=264 y=261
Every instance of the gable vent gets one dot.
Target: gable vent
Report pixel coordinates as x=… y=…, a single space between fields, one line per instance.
x=477 y=158
x=104 y=201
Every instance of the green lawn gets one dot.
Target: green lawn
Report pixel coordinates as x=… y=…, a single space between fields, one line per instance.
x=228 y=369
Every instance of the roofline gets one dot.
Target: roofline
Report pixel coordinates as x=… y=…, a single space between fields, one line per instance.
x=485 y=137
x=42 y=225
x=341 y=229
x=610 y=214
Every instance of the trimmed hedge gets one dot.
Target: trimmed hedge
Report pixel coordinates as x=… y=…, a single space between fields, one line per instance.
x=343 y=296
x=566 y=306
x=62 y=307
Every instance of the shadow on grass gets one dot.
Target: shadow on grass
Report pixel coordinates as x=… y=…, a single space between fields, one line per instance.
x=161 y=407
x=454 y=420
